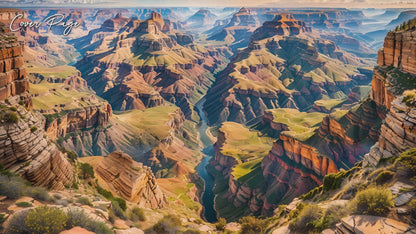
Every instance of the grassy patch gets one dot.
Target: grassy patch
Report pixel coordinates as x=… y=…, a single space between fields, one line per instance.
x=152 y=120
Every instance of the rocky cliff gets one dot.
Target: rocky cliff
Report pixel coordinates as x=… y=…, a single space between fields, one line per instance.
x=13 y=80
x=131 y=180
x=394 y=75
x=279 y=69
x=25 y=150
x=158 y=64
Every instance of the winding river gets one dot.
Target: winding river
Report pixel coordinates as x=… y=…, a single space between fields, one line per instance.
x=208 y=197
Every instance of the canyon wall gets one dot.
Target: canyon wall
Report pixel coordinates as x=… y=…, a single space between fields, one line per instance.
x=131 y=180
x=395 y=73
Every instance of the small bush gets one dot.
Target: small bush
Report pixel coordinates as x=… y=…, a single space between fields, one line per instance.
x=84 y=201
x=21 y=103
x=77 y=217
x=72 y=156
x=121 y=203
x=12 y=118
x=117 y=210
x=250 y=224
x=45 y=219
x=373 y=201
x=62 y=202
x=333 y=181
x=13 y=108
x=137 y=214
x=168 y=224
x=16 y=223
x=24 y=204
x=305 y=220
x=33 y=129
x=384 y=177
x=87 y=170
x=2 y=218
x=220 y=224
x=107 y=194
x=38 y=193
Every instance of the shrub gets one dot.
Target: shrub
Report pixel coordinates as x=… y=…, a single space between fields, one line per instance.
x=121 y=203
x=24 y=204
x=12 y=118
x=16 y=223
x=77 y=217
x=45 y=219
x=333 y=181
x=168 y=224
x=38 y=193
x=71 y=155
x=384 y=177
x=250 y=224
x=332 y=216
x=373 y=201
x=2 y=218
x=84 y=201
x=406 y=163
x=21 y=103
x=137 y=214
x=107 y=194
x=117 y=210
x=12 y=187
x=13 y=108
x=305 y=220
x=33 y=129
x=220 y=224
x=62 y=202
x=87 y=170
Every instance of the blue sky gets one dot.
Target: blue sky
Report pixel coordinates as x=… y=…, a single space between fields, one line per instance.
x=213 y=3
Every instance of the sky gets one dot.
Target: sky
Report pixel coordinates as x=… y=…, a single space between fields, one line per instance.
x=213 y=3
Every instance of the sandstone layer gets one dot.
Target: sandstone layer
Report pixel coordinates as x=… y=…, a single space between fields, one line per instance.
x=131 y=180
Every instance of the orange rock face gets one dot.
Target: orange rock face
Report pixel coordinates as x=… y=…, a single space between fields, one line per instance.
x=399 y=51
x=13 y=79
x=131 y=180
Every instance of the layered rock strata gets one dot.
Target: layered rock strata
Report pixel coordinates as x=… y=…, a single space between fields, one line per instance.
x=131 y=180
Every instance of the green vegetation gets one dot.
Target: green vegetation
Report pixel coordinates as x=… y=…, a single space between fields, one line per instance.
x=152 y=120
x=384 y=177
x=301 y=125
x=77 y=217
x=252 y=225
x=313 y=219
x=312 y=193
x=107 y=194
x=56 y=72
x=84 y=201
x=117 y=210
x=329 y=104
x=409 y=97
x=87 y=171
x=334 y=180
x=137 y=214
x=45 y=219
x=12 y=117
x=33 y=129
x=373 y=201
x=220 y=224
x=412 y=206
x=24 y=204
x=168 y=224
x=409 y=25
x=406 y=164
x=14 y=187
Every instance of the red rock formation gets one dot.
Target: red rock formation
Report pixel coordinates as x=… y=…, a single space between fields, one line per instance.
x=398 y=51
x=13 y=80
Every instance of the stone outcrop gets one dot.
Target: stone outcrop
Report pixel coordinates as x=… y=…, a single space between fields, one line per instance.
x=372 y=224
x=284 y=25
x=25 y=150
x=13 y=80
x=131 y=180
x=72 y=120
x=398 y=51
x=396 y=66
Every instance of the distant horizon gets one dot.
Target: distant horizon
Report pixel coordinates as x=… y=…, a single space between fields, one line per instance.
x=348 y=4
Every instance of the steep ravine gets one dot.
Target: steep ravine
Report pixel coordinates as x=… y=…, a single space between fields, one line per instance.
x=206 y=146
